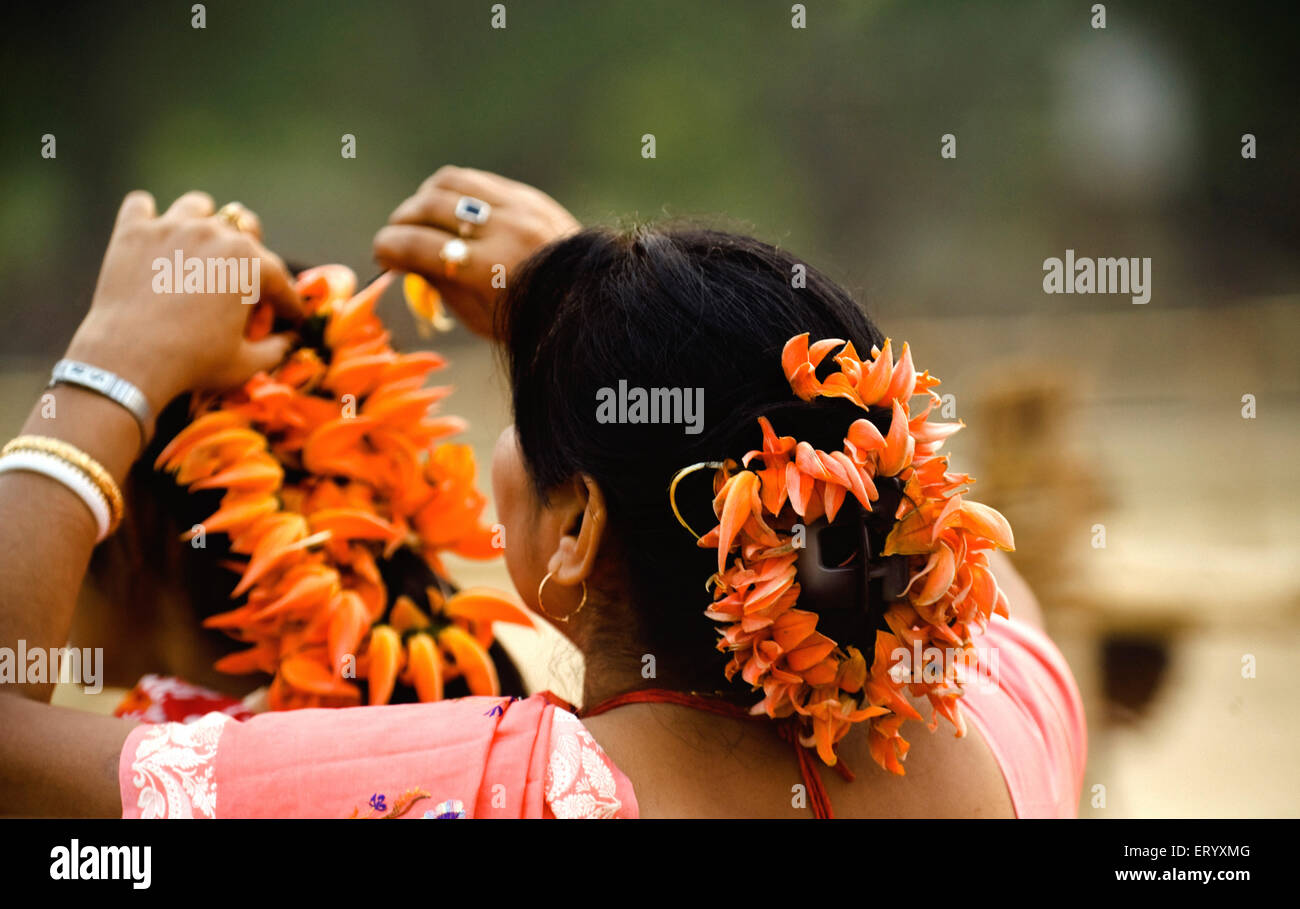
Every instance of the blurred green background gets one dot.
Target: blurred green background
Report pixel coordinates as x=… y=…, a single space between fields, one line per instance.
x=825 y=139
x=1084 y=410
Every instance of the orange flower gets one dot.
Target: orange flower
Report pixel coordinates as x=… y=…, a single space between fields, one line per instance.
x=425 y=304
x=351 y=423
x=950 y=595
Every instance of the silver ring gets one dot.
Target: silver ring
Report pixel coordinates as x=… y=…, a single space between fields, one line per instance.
x=471 y=213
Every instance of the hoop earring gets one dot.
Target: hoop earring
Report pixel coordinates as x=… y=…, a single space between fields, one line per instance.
x=542 y=603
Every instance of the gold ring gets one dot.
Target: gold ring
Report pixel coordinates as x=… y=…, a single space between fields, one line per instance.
x=454 y=254
x=238 y=217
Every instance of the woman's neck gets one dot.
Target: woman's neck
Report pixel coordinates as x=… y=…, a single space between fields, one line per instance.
x=619 y=667
x=600 y=685
x=621 y=654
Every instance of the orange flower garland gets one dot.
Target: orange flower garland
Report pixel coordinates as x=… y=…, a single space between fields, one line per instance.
x=949 y=598
x=330 y=463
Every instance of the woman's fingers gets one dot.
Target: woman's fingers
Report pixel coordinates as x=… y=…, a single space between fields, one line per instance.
x=465 y=181
x=435 y=206
x=253 y=357
x=262 y=354
x=277 y=284
x=137 y=206
x=137 y=329
x=194 y=204
x=409 y=247
x=467 y=291
x=248 y=221
x=522 y=220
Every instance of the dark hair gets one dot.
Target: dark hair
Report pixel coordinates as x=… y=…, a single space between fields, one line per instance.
x=665 y=308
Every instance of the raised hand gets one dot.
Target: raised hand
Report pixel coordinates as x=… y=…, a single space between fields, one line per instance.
x=428 y=236
x=170 y=330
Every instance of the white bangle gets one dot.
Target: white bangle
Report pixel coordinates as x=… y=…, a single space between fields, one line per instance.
x=69 y=475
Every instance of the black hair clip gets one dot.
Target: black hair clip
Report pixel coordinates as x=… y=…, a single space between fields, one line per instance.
x=839 y=568
x=840 y=573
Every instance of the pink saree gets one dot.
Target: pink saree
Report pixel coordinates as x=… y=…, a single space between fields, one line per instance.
x=1031 y=716
x=475 y=757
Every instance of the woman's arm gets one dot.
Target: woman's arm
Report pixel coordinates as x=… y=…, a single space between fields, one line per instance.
x=55 y=761
x=48 y=533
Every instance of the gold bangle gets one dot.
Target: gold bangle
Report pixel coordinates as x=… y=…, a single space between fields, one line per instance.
x=80 y=460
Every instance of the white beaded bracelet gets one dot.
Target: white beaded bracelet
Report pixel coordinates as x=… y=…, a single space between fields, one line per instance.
x=69 y=475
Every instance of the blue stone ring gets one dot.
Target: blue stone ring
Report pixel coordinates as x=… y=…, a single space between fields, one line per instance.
x=471 y=213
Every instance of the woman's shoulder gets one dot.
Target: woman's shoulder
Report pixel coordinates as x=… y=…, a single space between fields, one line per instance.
x=947 y=776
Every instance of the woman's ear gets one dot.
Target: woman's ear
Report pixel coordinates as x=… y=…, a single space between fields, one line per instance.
x=585 y=520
